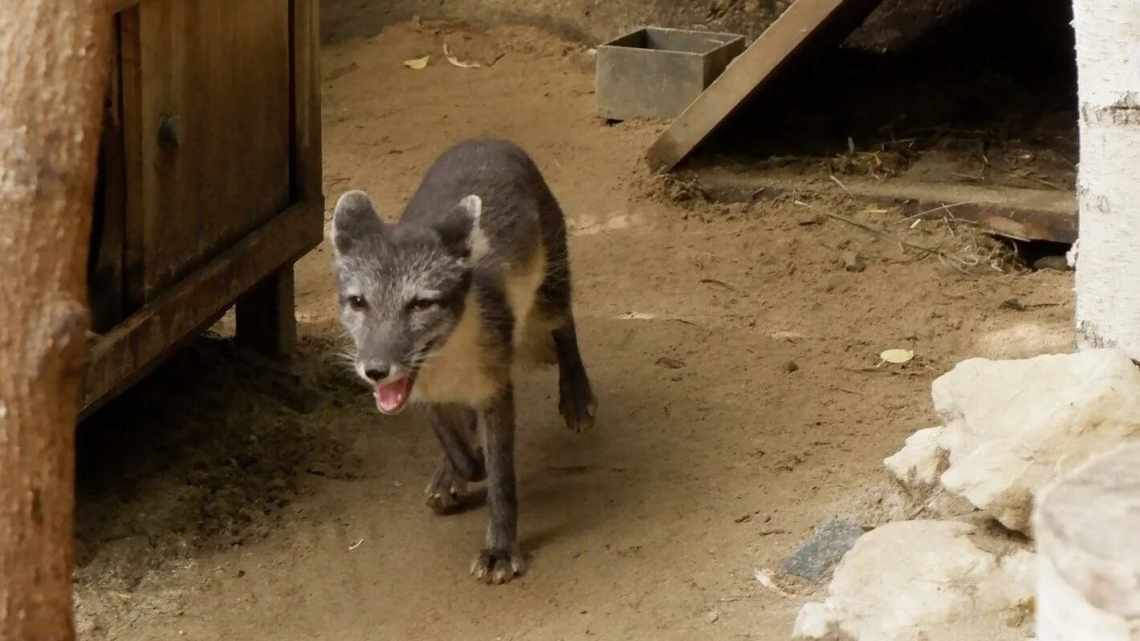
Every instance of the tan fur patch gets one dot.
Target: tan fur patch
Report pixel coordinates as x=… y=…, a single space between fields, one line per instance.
x=466 y=370
x=532 y=341
x=463 y=370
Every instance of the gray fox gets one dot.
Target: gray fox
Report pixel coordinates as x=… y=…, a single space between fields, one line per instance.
x=472 y=281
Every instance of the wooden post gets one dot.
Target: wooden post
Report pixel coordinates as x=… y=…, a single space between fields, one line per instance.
x=1088 y=572
x=53 y=62
x=265 y=320
x=1108 y=265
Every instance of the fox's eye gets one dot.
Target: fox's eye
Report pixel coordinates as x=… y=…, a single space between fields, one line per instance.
x=357 y=302
x=421 y=304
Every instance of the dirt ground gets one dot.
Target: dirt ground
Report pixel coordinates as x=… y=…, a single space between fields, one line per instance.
x=734 y=350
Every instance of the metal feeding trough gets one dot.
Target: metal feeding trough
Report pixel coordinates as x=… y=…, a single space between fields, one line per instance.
x=655 y=72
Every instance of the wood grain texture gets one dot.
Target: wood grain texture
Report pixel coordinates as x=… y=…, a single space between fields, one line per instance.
x=130 y=80
x=215 y=128
x=305 y=58
x=221 y=131
x=106 y=277
x=139 y=343
x=50 y=121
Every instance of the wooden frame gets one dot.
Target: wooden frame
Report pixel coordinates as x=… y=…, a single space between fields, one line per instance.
x=252 y=269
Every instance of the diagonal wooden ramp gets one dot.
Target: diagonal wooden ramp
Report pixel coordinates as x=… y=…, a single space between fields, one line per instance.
x=804 y=27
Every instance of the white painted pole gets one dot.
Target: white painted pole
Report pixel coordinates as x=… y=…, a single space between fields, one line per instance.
x=1088 y=556
x=1108 y=256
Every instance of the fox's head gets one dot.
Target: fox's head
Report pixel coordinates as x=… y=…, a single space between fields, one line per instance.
x=402 y=287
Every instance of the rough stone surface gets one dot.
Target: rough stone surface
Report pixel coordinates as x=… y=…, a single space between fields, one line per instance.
x=924 y=581
x=827 y=545
x=1088 y=583
x=919 y=464
x=1013 y=426
x=917 y=469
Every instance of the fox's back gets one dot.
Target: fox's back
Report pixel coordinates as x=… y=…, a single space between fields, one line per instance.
x=519 y=212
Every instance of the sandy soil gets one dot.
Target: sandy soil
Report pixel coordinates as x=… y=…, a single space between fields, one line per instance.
x=735 y=356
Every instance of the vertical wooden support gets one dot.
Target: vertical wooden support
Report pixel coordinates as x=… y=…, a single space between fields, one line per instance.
x=265 y=316
x=1088 y=573
x=305 y=59
x=265 y=320
x=1108 y=189
x=54 y=56
x=105 y=265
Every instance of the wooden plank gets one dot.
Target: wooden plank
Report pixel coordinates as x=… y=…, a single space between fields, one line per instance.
x=804 y=26
x=215 y=128
x=265 y=315
x=126 y=353
x=305 y=59
x=131 y=86
x=105 y=269
x=1021 y=214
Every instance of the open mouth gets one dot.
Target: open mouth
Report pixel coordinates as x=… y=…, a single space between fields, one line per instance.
x=392 y=396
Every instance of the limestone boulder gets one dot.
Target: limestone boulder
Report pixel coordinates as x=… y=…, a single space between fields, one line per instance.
x=925 y=581
x=1010 y=427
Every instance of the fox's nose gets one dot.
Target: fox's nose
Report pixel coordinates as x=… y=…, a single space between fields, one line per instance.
x=377 y=373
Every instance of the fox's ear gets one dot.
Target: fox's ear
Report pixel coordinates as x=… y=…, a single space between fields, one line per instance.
x=461 y=232
x=354 y=220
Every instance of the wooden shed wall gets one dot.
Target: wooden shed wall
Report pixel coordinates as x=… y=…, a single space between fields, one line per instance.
x=209 y=181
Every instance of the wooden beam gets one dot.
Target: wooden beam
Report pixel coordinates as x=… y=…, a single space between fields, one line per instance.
x=305 y=57
x=130 y=80
x=1020 y=214
x=122 y=5
x=54 y=56
x=125 y=354
x=805 y=26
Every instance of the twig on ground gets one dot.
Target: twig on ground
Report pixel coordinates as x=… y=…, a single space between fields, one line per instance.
x=841 y=185
x=945 y=208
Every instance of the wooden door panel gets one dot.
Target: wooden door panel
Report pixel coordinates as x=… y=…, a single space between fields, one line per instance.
x=213 y=101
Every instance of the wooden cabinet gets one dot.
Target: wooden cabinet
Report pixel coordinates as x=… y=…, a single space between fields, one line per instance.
x=209 y=181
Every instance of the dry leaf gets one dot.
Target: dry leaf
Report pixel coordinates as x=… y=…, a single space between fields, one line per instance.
x=897 y=356
x=456 y=61
x=417 y=63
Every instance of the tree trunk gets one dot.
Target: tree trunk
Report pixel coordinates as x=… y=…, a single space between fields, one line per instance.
x=1088 y=564
x=53 y=60
x=1108 y=263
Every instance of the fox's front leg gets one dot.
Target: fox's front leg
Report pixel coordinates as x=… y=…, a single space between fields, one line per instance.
x=455 y=427
x=501 y=560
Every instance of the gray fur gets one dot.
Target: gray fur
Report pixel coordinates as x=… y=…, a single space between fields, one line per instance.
x=473 y=279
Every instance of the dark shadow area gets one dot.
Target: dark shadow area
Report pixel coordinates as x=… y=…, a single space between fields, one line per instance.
x=201 y=456
x=991 y=91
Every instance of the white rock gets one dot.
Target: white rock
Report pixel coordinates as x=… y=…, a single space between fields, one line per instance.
x=923 y=581
x=920 y=462
x=1088 y=581
x=814 y=622
x=1012 y=426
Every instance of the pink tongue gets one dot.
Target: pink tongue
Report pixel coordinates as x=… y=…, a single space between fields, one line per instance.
x=390 y=397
